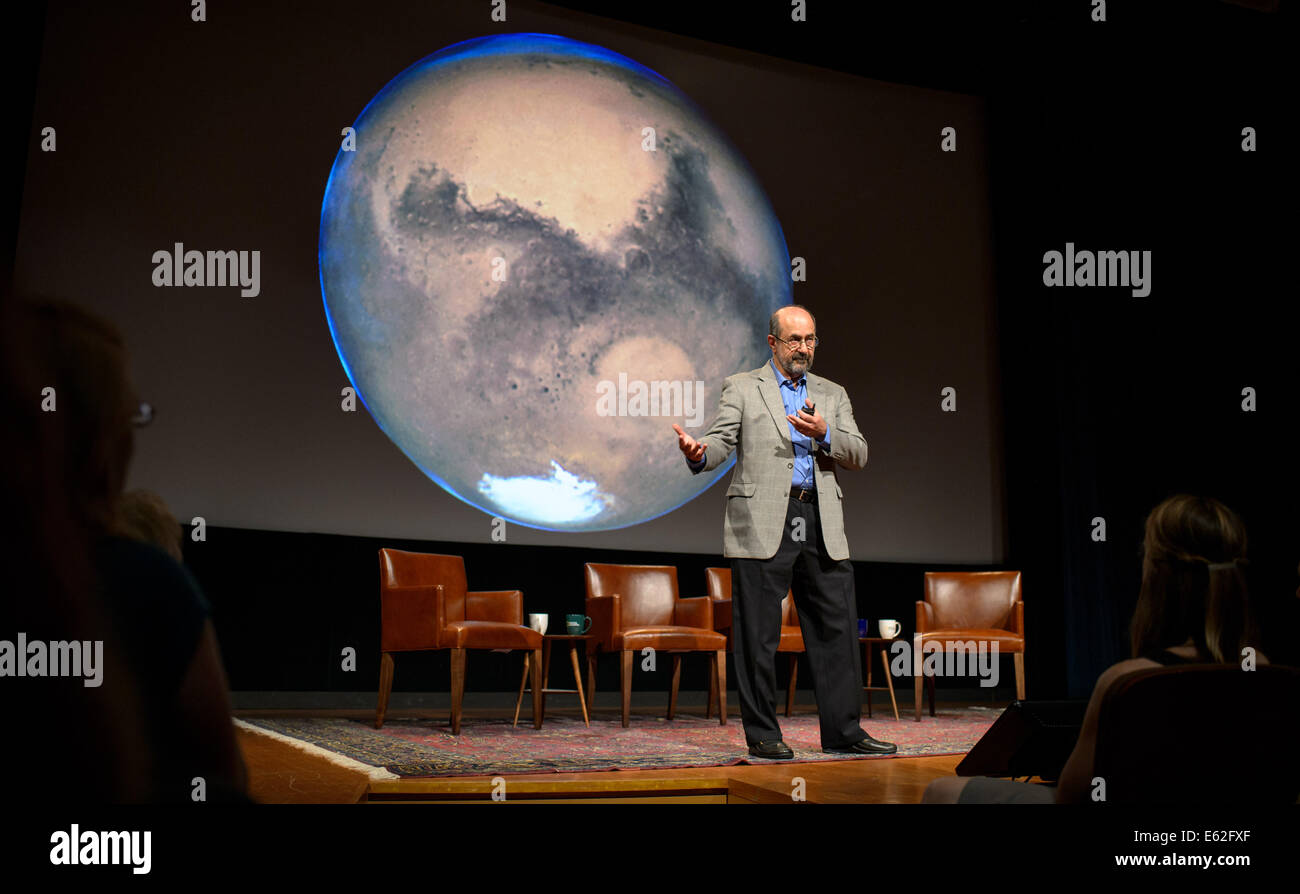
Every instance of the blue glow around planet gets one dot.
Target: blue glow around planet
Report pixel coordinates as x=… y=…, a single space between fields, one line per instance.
x=508 y=242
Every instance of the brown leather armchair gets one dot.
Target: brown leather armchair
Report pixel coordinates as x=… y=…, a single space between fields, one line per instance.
x=425 y=606
x=718 y=582
x=969 y=606
x=1148 y=717
x=633 y=607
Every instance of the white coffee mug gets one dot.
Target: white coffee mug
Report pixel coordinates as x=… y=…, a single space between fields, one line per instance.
x=890 y=629
x=538 y=623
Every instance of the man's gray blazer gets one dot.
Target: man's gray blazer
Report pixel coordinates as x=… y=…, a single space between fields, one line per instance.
x=751 y=420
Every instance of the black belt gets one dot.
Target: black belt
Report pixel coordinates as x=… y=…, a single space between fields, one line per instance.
x=803 y=494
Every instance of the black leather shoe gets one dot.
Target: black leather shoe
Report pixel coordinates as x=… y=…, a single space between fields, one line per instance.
x=776 y=750
x=865 y=746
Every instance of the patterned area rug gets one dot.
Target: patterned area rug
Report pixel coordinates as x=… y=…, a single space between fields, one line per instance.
x=414 y=748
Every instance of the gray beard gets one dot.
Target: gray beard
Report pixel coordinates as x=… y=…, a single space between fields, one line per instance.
x=798 y=369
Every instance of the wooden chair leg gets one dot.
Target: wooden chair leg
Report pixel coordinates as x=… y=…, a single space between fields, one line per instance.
x=866 y=651
x=1019 y=659
x=794 y=676
x=519 y=700
x=713 y=678
x=577 y=677
x=625 y=678
x=720 y=674
x=889 y=679
x=918 y=675
x=457 y=688
x=546 y=670
x=538 y=686
x=385 y=687
x=677 y=679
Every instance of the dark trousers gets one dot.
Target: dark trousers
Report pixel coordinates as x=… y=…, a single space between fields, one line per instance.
x=825 y=598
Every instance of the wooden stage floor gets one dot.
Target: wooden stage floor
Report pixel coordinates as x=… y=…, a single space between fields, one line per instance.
x=281 y=774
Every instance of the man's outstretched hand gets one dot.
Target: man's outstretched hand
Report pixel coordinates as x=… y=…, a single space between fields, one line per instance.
x=692 y=449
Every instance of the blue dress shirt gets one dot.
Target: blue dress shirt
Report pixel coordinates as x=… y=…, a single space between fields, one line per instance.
x=794 y=396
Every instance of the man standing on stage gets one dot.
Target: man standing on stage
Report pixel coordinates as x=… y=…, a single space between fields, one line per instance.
x=785 y=525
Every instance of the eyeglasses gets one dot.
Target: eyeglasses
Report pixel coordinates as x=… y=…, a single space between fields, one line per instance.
x=143 y=415
x=811 y=341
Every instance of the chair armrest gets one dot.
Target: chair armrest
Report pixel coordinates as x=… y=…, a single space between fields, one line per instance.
x=606 y=613
x=495 y=605
x=924 y=616
x=694 y=612
x=411 y=617
x=1018 y=618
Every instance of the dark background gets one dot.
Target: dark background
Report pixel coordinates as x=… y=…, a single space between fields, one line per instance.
x=1123 y=135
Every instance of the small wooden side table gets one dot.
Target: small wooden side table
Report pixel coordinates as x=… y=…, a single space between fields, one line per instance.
x=547 y=641
x=869 y=644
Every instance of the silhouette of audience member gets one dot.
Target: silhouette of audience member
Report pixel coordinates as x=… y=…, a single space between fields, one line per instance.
x=158 y=618
x=66 y=742
x=1193 y=608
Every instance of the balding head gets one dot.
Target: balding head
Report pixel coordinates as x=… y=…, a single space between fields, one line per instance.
x=788 y=318
x=792 y=322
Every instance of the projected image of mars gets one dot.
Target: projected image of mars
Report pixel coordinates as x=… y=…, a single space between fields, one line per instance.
x=532 y=237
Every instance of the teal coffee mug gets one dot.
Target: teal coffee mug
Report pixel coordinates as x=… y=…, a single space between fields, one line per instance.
x=576 y=625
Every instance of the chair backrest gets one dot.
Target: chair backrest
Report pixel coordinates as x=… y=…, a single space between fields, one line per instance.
x=1151 y=719
x=648 y=592
x=403 y=569
x=718 y=584
x=972 y=599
